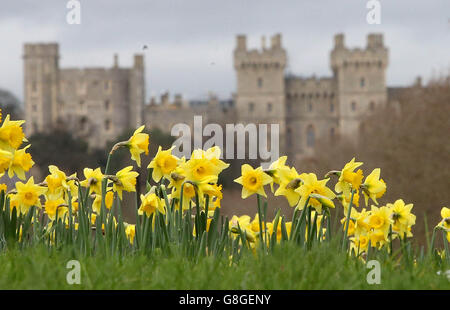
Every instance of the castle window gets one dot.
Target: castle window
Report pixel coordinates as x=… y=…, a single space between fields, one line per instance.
x=83 y=122
x=107 y=124
x=372 y=106
x=269 y=107
x=260 y=82
x=310 y=137
x=106 y=104
x=81 y=102
x=303 y=95
x=106 y=85
x=289 y=136
x=251 y=107
x=379 y=64
x=332 y=95
x=331 y=107
x=353 y=105
x=325 y=95
x=317 y=95
x=34 y=86
x=332 y=132
x=362 y=82
x=310 y=107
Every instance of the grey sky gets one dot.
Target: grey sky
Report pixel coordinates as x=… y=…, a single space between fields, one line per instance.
x=191 y=41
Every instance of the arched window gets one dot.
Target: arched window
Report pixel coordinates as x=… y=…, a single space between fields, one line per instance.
x=106 y=104
x=332 y=133
x=310 y=137
x=331 y=107
x=269 y=107
x=353 y=106
x=251 y=106
x=372 y=106
x=362 y=82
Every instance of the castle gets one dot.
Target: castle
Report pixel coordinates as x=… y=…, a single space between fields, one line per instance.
x=98 y=104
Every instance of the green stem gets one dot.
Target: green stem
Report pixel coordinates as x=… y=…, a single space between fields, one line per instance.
x=347 y=222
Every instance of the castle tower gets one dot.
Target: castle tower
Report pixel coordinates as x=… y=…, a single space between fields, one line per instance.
x=137 y=91
x=260 y=96
x=41 y=78
x=360 y=75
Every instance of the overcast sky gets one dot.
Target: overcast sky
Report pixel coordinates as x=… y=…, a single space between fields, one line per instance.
x=190 y=42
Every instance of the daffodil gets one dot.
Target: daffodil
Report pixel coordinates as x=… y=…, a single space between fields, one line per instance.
x=93 y=180
x=5 y=161
x=379 y=223
x=56 y=182
x=445 y=223
x=163 y=164
x=276 y=168
x=359 y=244
x=212 y=154
x=348 y=179
x=402 y=218
x=253 y=181
x=312 y=186
x=125 y=180
x=51 y=206
x=289 y=181
x=11 y=134
x=130 y=232
x=97 y=204
x=28 y=195
x=138 y=144
x=150 y=203
x=243 y=223
x=373 y=187
x=203 y=167
x=20 y=163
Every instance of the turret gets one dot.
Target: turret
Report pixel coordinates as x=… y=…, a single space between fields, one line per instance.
x=41 y=79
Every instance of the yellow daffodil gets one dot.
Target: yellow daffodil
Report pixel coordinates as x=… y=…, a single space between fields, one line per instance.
x=150 y=203
x=373 y=187
x=11 y=134
x=130 y=232
x=163 y=164
x=5 y=160
x=56 y=182
x=379 y=223
x=97 y=204
x=93 y=180
x=445 y=223
x=20 y=163
x=289 y=181
x=402 y=218
x=253 y=181
x=310 y=186
x=138 y=144
x=125 y=181
x=51 y=206
x=212 y=154
x=28 y=195
x=348 y=179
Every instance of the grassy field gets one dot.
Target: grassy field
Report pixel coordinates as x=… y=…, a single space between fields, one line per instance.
x=289 y=267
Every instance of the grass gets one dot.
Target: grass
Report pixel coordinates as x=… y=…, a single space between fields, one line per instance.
x=289 y=267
